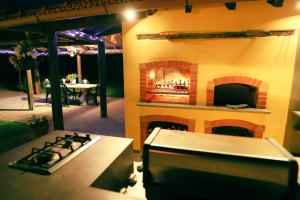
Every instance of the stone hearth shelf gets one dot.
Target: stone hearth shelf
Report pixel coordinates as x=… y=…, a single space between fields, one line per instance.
x=203 y=107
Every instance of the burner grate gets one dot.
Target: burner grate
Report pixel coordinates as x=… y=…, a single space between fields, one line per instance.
x=54 y=154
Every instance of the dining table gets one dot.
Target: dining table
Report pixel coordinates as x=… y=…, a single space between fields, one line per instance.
x=84 y=87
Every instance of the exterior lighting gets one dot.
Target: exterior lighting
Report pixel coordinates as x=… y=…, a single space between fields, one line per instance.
x=130 y=14
x=298 y=5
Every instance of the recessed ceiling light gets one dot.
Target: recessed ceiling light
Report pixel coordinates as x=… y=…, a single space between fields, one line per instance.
x=130 y=14
x=298 y=4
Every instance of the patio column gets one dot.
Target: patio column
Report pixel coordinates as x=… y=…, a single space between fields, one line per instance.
x=57 y=113
x=102 y=78
x=79 y=67
x=36 y=78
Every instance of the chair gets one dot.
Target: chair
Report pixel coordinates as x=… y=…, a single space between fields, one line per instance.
x=48 y=91
x=94 y=94
x=66 y=94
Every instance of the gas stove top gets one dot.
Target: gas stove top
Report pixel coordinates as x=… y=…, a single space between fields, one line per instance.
x=54 y=154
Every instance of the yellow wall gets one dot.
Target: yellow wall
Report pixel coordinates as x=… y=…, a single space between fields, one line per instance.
x=270 y=59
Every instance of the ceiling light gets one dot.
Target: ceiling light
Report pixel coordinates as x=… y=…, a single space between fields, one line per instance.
x=130 y=14
x=298 y=4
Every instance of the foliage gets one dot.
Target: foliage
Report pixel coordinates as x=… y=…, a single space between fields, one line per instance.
x=114 y=90
x=37 y=121
x=24 y=55
x=9 y=129
x=71 y=77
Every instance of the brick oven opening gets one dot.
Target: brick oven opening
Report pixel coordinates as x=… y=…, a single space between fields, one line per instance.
x=233 y=130
x=234 y=127
x=235 y=94
x=237 y=91
x=149 y=122
x=165 y=125
x=168 y=81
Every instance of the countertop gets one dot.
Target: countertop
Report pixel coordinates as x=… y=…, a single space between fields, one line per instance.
x=72 y=181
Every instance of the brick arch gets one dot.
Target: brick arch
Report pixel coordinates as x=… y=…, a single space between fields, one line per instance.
x=146 y=120
x=261 y=86
x=182 y=65
x=168 y=63
x=257 y=129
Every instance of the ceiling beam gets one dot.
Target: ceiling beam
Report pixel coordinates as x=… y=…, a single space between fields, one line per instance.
x=69 y=24
x=112 y=30
x=42 y=43
x=91 y=9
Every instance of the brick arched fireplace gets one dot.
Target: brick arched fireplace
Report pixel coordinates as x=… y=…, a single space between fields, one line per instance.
x=260 y=86
x=146 y=120
x=171 y=81
x=256 y=129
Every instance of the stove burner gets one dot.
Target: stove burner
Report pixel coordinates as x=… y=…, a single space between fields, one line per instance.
x=54 y=154
x=68 y=144
x=44 y=157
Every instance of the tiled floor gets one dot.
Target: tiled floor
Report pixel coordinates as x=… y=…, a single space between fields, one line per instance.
x=14 y=107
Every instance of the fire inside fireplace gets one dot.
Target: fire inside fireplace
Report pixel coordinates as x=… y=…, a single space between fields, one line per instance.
x=167 y=84
x=233 y=130
x=165 y=125
x=168 y=81
x=235 y=94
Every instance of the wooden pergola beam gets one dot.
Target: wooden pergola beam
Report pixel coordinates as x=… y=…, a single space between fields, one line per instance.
x=172 y=35
x=70 y=24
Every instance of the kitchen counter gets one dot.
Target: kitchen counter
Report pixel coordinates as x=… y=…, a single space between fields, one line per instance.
x=77 y=179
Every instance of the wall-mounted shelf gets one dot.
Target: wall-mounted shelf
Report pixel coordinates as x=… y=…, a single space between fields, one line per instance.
x=202 y=107
x=169 y=35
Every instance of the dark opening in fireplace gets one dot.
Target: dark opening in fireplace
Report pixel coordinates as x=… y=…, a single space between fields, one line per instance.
x=235 y=94
x=233 y=130
x=165 y=125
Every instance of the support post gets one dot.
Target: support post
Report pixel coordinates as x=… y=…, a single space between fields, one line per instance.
x=57 y=113
x=102 y=78
x=79 y=67
x=36 y=78
x=30 y=89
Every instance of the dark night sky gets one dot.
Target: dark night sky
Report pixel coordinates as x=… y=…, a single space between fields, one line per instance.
x=114 y=73
x=11 y=6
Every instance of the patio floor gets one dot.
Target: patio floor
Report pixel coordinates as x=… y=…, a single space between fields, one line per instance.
x=14 y=107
